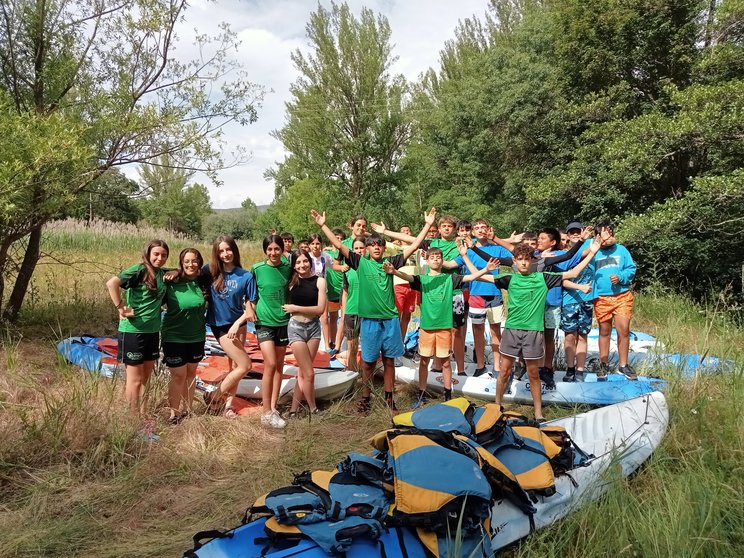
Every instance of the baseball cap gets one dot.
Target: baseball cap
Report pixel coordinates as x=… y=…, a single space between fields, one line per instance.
x=574 y=225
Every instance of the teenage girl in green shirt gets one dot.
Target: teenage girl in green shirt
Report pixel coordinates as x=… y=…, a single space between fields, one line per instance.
x=139 y=318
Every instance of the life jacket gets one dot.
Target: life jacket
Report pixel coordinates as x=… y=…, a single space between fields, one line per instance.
x=334 y=537
x=411 y=342
x=455 y=416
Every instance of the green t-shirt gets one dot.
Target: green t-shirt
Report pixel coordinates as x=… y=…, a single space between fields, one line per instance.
x=449 y=252
x=436 y=299
x=184 y=321
x=351 y=282
x=144 y=302
x=334 y=281
x=527 y=295
x=376 y=293
x=271 y=282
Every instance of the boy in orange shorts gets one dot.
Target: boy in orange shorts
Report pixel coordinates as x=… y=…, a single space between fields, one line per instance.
x=435 y=334
x=614 y=271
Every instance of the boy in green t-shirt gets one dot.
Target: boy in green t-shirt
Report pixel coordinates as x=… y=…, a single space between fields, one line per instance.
x=435 y=334
x=380 y=326
x=525 y=322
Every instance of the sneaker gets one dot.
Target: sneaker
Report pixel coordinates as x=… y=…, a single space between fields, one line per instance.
x=363 y=406
x=579 y=375
x=570 y=375
x=273 y=419
x=546 y=376
x=447 y=394
x=421 y=400
x=519 y=371
x=628 y=372
x=479 y=372
x=604 y=370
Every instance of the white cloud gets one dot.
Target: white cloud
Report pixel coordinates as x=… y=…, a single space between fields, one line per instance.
x=270 y=30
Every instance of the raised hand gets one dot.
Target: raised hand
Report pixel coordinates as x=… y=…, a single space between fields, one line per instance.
x=431 y=217
x=493 y=264
x=379 y=229
x=468 y=242
x=515 y=238
x=388 y=268
x=462 y=247
x=587 y=233
x=595 y=245
x=320 y=219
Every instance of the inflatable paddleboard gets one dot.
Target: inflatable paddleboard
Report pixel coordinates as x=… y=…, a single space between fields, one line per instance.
x=620 y=438
x=95 y=354
x=588 y=392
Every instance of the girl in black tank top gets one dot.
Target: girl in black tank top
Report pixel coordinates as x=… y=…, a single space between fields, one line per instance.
x=307 y=301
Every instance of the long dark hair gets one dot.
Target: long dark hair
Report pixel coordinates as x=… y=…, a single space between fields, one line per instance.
x=293 y=257
x=216 y=267
x=273 y=239
x=148 y=277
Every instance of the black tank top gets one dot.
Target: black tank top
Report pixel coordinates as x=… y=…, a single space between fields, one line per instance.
x=305 y=292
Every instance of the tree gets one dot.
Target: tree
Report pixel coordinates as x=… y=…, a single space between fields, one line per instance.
x=240 y=223
x=345 y=128
x=170 y=202
x=96 y=85
x=110 y=197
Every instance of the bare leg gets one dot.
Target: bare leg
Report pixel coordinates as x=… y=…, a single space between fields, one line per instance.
x=279 y=353
x=423 y=372
x=190 y=387
x=505 y=366
x=622 y=326
x=569 y=346
x=388 y=366
x=176 y=388
x=236 y=352
x=135 y=382
x=267 y=380
x=326 y=328
x=581 y=349
x=458 y=346
x=447 y=373
x=353 y=346
x=368 y=369
x=605 y=330
x=549 y=348
x=405 y=319
x=305 y=385
x=533 y=373
x=333 y=328
x=479 y=343
x=496 y=345
x=340 y=334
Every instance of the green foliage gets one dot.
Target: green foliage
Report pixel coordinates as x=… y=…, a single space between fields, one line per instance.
x=172 y=203
x=239 y=223
x=345 y=128
x=109 y=198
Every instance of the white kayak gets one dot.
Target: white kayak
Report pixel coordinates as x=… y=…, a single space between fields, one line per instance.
x=622 y=435
x=589 y=392
x=329 y=384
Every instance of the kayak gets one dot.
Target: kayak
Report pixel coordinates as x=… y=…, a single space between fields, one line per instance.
x=329 y=383
x=618 y=437
x=589 y=392
x=95 y=354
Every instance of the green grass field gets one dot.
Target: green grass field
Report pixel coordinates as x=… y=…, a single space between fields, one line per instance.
x=75 y=479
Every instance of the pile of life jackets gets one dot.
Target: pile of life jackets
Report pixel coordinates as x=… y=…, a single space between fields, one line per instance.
x=438 y=472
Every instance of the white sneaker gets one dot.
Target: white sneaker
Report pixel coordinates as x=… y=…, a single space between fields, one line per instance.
x=273 y=419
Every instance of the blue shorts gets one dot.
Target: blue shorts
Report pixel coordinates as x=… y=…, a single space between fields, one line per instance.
x=577 y=317
x=380 y=336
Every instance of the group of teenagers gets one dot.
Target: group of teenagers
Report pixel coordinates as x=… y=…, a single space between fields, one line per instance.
x=371 y=287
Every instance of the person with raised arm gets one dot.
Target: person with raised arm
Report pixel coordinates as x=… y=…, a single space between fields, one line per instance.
x=380 y=327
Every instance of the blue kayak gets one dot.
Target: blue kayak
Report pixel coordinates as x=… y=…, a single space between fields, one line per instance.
x=249 y=541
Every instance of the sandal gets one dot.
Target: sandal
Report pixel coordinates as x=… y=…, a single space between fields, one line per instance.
x=230 y=413
x=292 y=414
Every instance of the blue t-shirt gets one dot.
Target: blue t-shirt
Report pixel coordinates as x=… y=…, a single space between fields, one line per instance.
x=613 y=260
x=228 y=305
x=555 y=294
x=573 y=296
x=480 y=288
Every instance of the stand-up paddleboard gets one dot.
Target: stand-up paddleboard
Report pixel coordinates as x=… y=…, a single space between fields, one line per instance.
x=620 y=437
x=588 y=392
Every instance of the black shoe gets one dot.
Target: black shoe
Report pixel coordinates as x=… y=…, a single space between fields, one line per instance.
x=570 y=375
x=604 y=370
x=479 y=372
x=447 y=394
x=409 y=354
x=628 y=372
x=390 y=402
x=546 y=377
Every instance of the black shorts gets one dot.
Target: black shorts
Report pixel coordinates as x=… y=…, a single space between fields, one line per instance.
x=136 y=348
x=219 y=331
x=277 y=334
x=351 y=326
x=180 y=354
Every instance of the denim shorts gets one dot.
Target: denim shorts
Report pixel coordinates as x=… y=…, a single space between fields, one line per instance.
x=303 y=331
x=381 y=336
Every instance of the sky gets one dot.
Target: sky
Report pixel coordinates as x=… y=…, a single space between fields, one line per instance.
x=270 y=30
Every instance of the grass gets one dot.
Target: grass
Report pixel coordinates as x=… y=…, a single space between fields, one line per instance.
x=76 y=478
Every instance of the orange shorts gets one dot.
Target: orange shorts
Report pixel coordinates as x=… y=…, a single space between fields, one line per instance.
x=435 y=343
x=607 y=307
x=332 y=306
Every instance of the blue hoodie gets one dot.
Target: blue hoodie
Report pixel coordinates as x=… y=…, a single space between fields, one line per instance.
x=613 y=260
